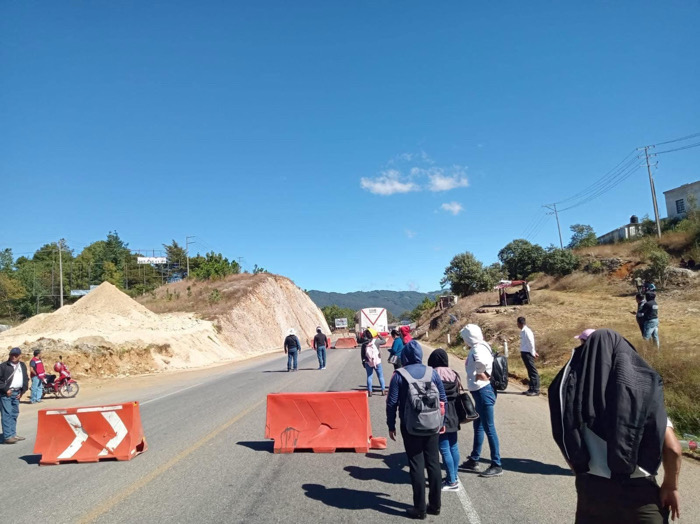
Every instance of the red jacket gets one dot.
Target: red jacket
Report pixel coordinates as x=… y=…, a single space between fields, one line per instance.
x=37 y=368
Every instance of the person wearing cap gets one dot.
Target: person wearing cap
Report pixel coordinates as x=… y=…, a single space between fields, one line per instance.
x=320 y=344
x=529 y=354
x=609 y=421
x=650 y=314
x=396 y=348
x=38 y=376
x=292 y=348
x=14 y=383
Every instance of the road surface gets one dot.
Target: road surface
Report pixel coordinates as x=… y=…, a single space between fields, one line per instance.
x=208 y=462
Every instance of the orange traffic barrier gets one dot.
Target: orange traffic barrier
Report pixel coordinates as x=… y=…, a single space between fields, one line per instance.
x=322 y=422
x=389 y=341
x=345 y=343
x=90 y=434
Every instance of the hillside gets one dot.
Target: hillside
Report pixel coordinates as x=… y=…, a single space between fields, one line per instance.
x=394 y=301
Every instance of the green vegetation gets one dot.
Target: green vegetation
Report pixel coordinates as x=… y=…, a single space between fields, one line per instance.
x=466 y=275
x=332 y=312
x=399 y=303
x=583 y=236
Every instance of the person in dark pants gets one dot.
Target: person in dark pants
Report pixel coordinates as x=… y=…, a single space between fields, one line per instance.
x=396 y=349
x=422 y=451
x=14 y=382
x=650 y=314
x=292 y=347
x=321 y=343
x=639 y=314
x=529 y=354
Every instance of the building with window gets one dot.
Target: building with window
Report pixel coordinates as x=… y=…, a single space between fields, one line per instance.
x=677 y=199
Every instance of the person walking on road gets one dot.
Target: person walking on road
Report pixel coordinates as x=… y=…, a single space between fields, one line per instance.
x=609 y=421
x=422 y=447
x=14 y=383
x=396 y=349
x=321 y=343
x=38 y=375
x=449 y=449
x=371 y=359
x=292 y=347
x=650 y=312
x=529 y=354
x=479 y=365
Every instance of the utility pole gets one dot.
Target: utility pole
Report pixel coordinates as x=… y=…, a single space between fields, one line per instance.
x=553 y=207
x=653 y=192
x=60 y=268
x=187 y=253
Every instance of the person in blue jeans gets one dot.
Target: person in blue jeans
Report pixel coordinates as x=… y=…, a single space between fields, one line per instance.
x=449 y=449
x=14 y=382
x=479 y=365
x=292 y=347
x=371 y=359
x=320 y=343
x=650 y=315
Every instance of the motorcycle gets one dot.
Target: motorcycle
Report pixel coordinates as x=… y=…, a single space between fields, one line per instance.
x=63 y=386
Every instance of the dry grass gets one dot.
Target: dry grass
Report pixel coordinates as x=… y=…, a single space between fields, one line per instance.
x=564 y=307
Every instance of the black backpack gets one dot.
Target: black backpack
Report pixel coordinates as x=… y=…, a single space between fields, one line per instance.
x=499 y=372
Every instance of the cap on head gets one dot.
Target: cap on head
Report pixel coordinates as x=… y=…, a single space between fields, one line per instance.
x=15 y=351
x=37 y=352
x=585 y=334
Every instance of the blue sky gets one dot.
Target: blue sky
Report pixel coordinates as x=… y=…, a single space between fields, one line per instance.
x=274 y=131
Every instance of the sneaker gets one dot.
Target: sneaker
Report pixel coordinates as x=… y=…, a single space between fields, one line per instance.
x=446 y=486
x=471 y=465
x=492 y=471
x=533 y=393
x=20 y=438
x=416 y=514
x=11 y=440
x=432 y=511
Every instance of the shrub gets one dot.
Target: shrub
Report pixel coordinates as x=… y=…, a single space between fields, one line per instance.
x=593 y=266
x=214 y=296
x=559 y=262
x=658 y=263
x=521 y=258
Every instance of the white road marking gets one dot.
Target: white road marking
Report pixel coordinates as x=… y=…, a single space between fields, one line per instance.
x=171 y=393
x=80 y=437
x=119 y=428
x=472 y=515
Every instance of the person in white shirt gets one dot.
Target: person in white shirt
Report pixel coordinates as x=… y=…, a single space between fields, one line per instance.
x=529 y=354
x=14 y=383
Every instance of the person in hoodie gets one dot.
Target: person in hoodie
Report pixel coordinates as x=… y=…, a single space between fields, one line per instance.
x=422 y=451
x=479 y=364
x=371 y=358
x=405 y=332
x=650 y=314
x=449 y=449
x=396 y=348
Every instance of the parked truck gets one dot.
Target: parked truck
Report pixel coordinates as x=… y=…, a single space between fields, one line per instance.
x=371 y=317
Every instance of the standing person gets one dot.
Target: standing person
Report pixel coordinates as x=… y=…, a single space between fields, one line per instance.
x=38 y=375
x=529 y=354
x=405 y=332
x=396 y=348
x=639 y=314
x=609 y=421
x=371 y=359
x=650 y=312
x=479 y=364
x=292 y=347
x=639 y=284
x=14 y=383
x=422 y=449
x=320 y=344
x=449 y=449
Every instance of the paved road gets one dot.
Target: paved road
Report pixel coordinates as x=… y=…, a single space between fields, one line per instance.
x=207 y=460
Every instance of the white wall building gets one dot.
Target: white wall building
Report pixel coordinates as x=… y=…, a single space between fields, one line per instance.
x=677 y=199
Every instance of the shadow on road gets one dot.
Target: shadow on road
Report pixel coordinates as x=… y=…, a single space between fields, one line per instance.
x=31 y=459
x=533 y=467
x=391 y=474
x=258 y=445
x=344 y=498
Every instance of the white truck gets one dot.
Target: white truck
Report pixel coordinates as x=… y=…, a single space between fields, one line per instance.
x=371 y=317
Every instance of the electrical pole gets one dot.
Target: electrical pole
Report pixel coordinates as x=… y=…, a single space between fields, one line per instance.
x=553 y=207
x=653 y=192
x=187 y=253
x=60 y=268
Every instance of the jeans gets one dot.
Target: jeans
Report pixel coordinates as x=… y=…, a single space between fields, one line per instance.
x=450 y=455
x=292 y=359
x=423 y=454
x=321 y=354
x=651 y=330
x=532 y=375
x=9 y=410
x=37 y=389
x=484 y=400
x=369 y=369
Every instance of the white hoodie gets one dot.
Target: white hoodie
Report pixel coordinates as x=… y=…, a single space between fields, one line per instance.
x=480 y=358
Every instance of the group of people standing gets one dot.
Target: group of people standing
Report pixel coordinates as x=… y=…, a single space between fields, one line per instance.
x=292 y=348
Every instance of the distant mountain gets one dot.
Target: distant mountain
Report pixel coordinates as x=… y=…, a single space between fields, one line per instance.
x=394 y=301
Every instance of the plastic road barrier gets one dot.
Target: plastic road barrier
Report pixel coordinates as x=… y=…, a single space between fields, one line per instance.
x=322 y=422
x=345 y=343
x=90 y=434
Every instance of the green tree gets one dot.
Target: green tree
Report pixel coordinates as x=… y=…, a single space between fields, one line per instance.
x=583 y=236
x=11 y=290
x=559 y=262
x=658 y=264
x=521 y=258
x=214 y=266
x=332 y=312
x=6 y=260
x=421 y=308
x=176 y=255
x=257 y=270
x=466 y=275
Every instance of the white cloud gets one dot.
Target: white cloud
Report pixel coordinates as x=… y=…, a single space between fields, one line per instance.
x=452 y=207
x=409 y=233
x=440 y=181
x=389 y=182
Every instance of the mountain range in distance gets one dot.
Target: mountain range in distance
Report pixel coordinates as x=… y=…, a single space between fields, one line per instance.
x=394 y=301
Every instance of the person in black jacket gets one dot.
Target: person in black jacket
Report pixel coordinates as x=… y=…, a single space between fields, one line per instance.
x=14 y=382
x=650 y=314
x=449 y=449
x=292 y=347
x=609 y=421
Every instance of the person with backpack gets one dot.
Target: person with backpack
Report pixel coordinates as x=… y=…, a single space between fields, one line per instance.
x=418 y=394
x=449 y=449
x=396 y=349
x=320 y=344
x=371 y=358
x=292 y=348
x=479 y=365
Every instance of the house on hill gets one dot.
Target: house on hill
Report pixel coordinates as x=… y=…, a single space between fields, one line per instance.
x=677 y=204
x=631 y=230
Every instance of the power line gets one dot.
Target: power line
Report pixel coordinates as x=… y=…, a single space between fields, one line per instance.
x=688 y=137
x=676 y=149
